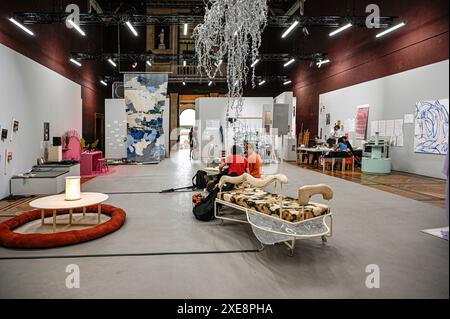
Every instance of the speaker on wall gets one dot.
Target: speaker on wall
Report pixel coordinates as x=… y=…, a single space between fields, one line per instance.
x=57 y=141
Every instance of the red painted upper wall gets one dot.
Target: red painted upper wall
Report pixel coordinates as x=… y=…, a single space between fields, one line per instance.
x=357 y=56
x=51 y=46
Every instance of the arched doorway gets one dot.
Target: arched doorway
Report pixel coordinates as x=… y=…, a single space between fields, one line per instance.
x=187 y=121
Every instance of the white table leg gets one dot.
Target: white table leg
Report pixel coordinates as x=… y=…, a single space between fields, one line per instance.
x=70 y=216
x=99 y=213
x=54 y=221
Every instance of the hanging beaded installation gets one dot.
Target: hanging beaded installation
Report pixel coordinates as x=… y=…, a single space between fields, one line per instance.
x=231 y=32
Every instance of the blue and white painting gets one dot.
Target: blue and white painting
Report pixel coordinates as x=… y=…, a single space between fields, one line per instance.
x=145 y=99
x=431 y=127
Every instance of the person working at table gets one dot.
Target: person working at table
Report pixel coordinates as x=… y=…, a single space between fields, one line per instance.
x=341 y=146
x=254 y=162
x=334 y=135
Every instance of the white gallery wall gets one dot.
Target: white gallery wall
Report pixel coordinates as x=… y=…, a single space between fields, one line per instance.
x=115 y=129
x=32 y=94
x=390 y=98
x=211 y=114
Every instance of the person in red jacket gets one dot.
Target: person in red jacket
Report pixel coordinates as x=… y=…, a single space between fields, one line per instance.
x=237 y=164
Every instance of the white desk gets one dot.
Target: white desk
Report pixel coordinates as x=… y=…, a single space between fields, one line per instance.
x=59 y=202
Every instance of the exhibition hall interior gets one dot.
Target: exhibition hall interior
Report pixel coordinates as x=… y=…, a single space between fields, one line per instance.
x=191 y=149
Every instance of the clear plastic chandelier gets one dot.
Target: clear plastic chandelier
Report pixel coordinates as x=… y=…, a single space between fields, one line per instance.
x=232 y=32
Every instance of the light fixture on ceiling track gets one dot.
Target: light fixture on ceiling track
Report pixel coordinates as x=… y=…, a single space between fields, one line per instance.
x=104 y=83
x=289 y=30
x=185 y=31
x=20 y=25
x=184 y=83
x=149 y=63
x=112 y=62
x=321 y=62
x=305 y=31
x=398 y=26
x=289 y=63
x=132 y=29
x=287 y=82
x=184 y=63
x=343 y=28
x=210 y=83
x=75 y=62
x=262 y=82
x=76 y=27
x=255 y=63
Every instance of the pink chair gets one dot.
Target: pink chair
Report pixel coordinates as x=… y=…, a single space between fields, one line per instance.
x=102 y=164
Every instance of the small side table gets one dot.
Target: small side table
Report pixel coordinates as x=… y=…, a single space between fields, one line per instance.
x=58 y=202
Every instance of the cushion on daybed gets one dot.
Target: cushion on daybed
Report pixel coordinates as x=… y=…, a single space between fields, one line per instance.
x=269 y=204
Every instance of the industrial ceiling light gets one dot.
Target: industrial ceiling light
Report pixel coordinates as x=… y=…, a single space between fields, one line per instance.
x=185 y=31
x=287 y=82
x=149 y=63
x=255 y=63
x=20 y=25
x=210 y=83
x=132 y=29
x=343 y=28
x=75 y=62
x=104 y=83
x=321 y=62
x=289 y=30
x=112 y=62
x=262 y=82
x=184 y=83
x=289 y=63
x=76 y=27
x=398 y=26
x=184 y=63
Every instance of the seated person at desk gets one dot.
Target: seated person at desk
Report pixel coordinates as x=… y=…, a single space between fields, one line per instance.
x=334 y=135
x=342 y=146
x=254 y=162
x=356 y=154
x=315 y=156
x=236 y=163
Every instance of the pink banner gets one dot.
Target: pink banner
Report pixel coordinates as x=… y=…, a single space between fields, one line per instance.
x=362 y=118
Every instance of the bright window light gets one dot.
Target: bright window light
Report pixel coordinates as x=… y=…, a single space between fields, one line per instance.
x=132 y=29
x=76 y=27
x=255 y=63
x=289 y=63
x=287 y=82
x=104 y=83
x=20 y=25
x=398 y=26
x=345 y=27
x=112 y=62
x=75 y=62
x=289 y=30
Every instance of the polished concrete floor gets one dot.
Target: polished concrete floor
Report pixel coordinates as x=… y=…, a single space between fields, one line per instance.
x=163 y=252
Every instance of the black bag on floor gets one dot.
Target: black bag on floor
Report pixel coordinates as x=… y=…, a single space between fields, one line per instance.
x=200 y=180
x=204 y=211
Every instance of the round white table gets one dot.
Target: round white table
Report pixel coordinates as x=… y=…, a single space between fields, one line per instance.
x=58 y=202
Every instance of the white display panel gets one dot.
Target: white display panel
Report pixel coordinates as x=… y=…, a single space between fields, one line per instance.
x=115 y=129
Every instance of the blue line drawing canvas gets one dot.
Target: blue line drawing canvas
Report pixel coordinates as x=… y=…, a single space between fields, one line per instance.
x=145 y=99
x=431 y=127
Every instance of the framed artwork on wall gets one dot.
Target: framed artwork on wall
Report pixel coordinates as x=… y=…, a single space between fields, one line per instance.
x=15 y=125
x=4 y=134
x=46 y=131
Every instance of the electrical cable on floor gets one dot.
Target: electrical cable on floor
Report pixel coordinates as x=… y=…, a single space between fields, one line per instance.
x=136 y=254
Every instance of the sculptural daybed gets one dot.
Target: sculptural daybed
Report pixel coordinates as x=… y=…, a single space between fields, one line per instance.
x=275 y=218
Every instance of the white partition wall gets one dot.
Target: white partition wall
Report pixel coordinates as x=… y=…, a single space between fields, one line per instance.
x=32 y=94
x=115 y=129
x=390 y=99
x=211 y=114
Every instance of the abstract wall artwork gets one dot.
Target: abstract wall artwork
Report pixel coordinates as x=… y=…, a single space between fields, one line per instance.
x=145 y=100
x=431 y=127
x=362 y=118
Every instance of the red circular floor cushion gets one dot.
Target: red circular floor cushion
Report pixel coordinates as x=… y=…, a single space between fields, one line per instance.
x=10 y=239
